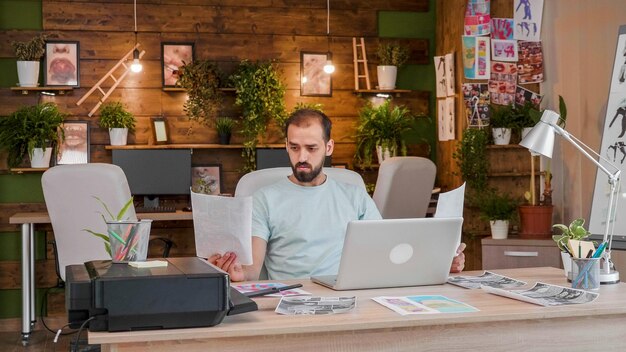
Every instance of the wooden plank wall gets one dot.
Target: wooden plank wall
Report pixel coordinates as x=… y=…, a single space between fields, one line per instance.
x=226 y=31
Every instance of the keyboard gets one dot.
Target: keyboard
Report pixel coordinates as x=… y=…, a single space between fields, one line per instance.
x=160 y=209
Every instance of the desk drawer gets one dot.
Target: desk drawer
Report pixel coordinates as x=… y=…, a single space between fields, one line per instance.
x=506 y=257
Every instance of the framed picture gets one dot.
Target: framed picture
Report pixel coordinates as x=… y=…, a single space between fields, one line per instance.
x=159 y=130
x=207 y=179
x=313 y=80
x=173 y=56
x=62 y=64
x=74 y=149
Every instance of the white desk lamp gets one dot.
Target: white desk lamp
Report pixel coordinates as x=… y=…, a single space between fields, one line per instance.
x=540 y=140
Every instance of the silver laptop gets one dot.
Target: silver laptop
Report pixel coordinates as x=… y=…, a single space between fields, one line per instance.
x=396 y=252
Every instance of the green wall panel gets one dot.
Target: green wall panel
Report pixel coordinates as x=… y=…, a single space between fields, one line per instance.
x=392 y=24
x=24 y=188
x=20 y=14
x=11 y=246
x=11 y=303
x=8 y=78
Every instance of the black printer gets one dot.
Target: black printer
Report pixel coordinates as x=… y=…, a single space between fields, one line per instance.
x=186 y=293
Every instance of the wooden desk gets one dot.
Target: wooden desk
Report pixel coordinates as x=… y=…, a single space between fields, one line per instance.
x=28 y=222
x=502 y=324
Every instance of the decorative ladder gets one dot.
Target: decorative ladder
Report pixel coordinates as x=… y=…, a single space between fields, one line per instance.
x=357 y=62
x=116 y=81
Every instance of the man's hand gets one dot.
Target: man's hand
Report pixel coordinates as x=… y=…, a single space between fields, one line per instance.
x=458 y=263
x=228 y=262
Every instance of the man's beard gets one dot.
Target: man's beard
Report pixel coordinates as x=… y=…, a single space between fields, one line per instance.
x=306 y=177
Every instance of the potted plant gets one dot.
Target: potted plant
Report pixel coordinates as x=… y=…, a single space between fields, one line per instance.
x=502 y=122
x=201 y=79
x=536 y=215
x=33 y=131
x=118 y=121
x=575 y=231
x=498 y=209
x=391 y=56
x=382 y=129
x=261 y=96
x=471 y=158
x=224 y=127
x=28 y=55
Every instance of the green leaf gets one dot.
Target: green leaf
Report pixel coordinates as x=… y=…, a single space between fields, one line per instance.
x=105 y=207
x=122 y=212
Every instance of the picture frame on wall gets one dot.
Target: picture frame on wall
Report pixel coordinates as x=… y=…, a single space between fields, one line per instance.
x=173 y=56
x=160 y=132
x=314 y=82
x=62 y=63
x=74 y=147
x=207 y=179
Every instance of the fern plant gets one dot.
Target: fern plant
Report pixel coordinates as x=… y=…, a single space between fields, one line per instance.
x=114 y=115
x=392 y=54
x=201 y=79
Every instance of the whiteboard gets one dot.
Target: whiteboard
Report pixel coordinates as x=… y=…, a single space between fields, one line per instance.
x=613 y=145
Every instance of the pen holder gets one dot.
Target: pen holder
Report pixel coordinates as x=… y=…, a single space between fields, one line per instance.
x=586 y=273
x=129 y=240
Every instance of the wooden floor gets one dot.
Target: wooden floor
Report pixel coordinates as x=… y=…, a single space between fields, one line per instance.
x=40 y=340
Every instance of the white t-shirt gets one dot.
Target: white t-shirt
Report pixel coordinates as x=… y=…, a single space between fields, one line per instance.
x=305 y=226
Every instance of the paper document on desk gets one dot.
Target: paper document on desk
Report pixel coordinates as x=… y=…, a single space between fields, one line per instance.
x=546 y=295
x=315 y=305
x=222 y=224
x=486 y=279
x=424 y=304
x=253 y=287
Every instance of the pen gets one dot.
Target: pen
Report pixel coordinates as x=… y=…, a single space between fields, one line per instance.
x=269 y=291
x=599 y=251
x=589 y=254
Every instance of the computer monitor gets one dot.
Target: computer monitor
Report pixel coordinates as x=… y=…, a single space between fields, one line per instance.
x=155 y=172
x=276 y=157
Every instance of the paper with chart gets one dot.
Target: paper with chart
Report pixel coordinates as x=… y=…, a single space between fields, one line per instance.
x=546 y=295
x=486 y=279
x=423 y=304
x=222 y=224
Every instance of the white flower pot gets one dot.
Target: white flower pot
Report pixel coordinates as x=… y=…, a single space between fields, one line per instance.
x=567 y=264
x=28 y=73
x=40 y=158
x=501 y=135
x=118 y=136
x=525 y=131
x=499 y=229
x=387 y=77
x=384 y=153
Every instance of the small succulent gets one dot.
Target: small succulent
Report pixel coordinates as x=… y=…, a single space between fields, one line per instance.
x=575 y=231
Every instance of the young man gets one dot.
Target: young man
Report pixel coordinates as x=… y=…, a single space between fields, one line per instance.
x=299 y=223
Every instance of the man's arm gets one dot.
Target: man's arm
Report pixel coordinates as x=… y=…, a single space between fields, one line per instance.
x=458 y=263
x=228 y=262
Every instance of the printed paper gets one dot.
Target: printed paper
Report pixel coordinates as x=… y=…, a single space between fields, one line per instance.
x=502 y=28
x=503 y=83
x=446 y=115
x=450 y=88
x=546 y=295
x=523 y=95
x=486 y=279
x=504 y=50
x=476 y=57
x=440 y=76
x=254 y=287
x=527 y=18
x=315 y=305
x=530 y=63
x=476 y=99
x=477 y=17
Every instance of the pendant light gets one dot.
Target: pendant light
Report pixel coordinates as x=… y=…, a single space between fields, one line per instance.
x=136 y=65
x=329 y=67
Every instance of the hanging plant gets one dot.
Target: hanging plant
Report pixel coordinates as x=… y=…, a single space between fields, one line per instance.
x=260 y=94
x=201 y=79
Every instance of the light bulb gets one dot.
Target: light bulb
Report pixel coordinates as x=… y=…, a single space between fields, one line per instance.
x=329 y=67
x=136 y=65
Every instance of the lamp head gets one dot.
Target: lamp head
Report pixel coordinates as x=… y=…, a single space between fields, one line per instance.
x=540 y=140
x=329 y=67
x=136 y=65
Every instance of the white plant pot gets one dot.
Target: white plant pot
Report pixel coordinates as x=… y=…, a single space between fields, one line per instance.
x=118 y=136
x=567 y=264
x=525 y=131
x=499 y=229
x=384 y=153
x=387 y=77
x=40 y=158
x=501 y=135
x=28 y=73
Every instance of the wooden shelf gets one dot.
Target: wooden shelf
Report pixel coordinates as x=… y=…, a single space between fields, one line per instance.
x=511 y=174
x=188 y=146
x=22 y=170
x=25 y=90
x=397 y=92
x=178 y=89
x=505 y=146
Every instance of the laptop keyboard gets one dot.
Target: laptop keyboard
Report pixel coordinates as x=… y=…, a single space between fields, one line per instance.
x=159 y=209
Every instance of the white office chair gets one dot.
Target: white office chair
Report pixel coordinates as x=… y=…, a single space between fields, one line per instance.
x=68 y=191
x=404 y=187
x=250 y=182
